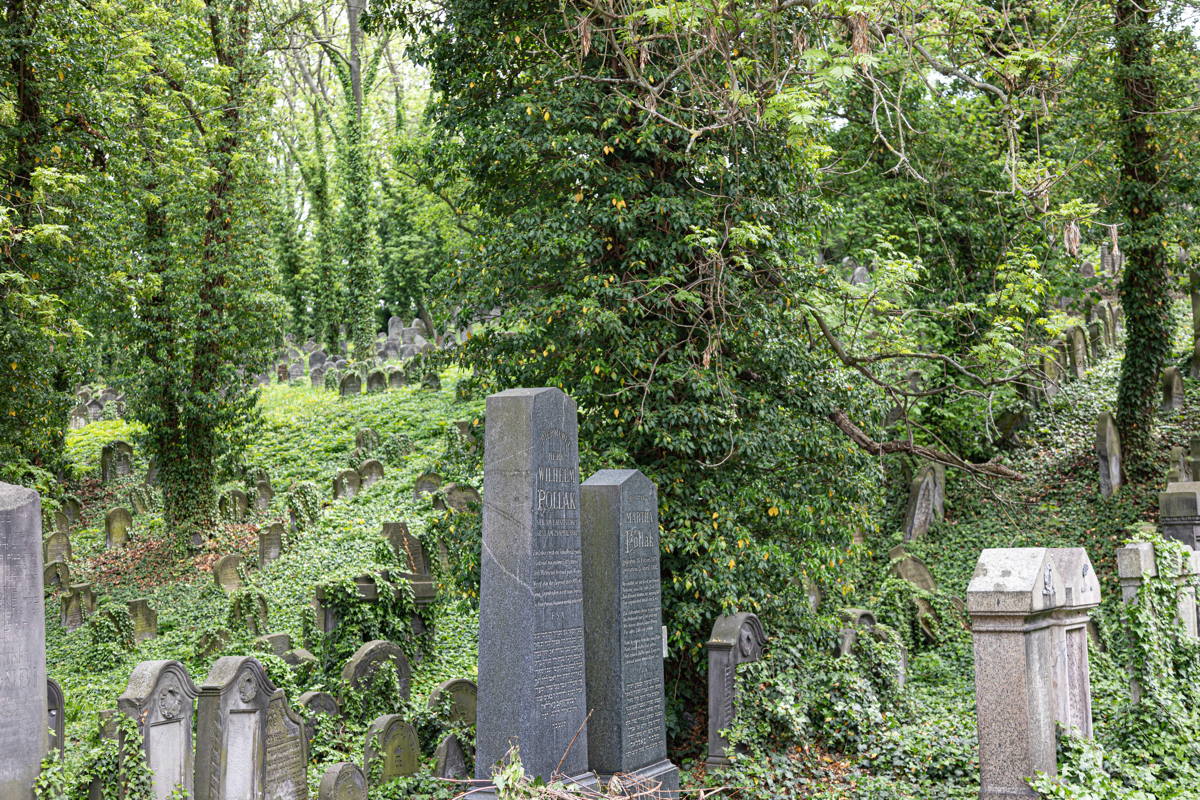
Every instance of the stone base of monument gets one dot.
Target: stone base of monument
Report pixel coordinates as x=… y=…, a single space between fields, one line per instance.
x=586 y=781
x=664 y=775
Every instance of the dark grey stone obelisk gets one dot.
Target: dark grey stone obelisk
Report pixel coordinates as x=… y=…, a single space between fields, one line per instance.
x=622 y=601
x=531 y=656
x=23 y=726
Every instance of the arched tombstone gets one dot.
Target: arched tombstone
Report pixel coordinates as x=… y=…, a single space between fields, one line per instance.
x=295 y=372
x=264 y=493
x=73 y=509
x=346 y=484
x=926 y=497
x=854 y=618
x=460 y=497
x=1108 y=454
x=1029 y=617
x=376 y=381
x=360 y=669
x=392 y=743
x=315 y=704
x=350 y=385
x=395 y=378
x=860 y=277
x=426 y=483
x=57 y=575
x=57 y=547
x=316 y=376
x=56 y=716
x=911 y=569
x=239 y=503
x=226 y=573
x=159 y=698
x=1172 y=389
x=316 y=359
x=366 y=441
x=116 y=461
x=117 y=523
x=144 y=619
x=370 y=472
x=460 y=697
x=270 y=543
x=736 y=639
x=343 y=781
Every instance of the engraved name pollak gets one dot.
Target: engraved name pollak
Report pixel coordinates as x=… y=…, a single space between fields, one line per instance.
x=556 y=500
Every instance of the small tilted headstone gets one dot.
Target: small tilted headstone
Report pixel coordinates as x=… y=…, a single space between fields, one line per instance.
x=117 y=523
x=78 y=603
x=315 y=704
x=300 y=660
x=360 y=670
x=226 y=573
x=159 y=698
x=346 y=484
x=370 y=472
x=270 y=543
x=426 y=483
x=1172 y=389
x=56 y=716
x=350 y=385
x=144 y=619
x=392 y=743
x=275 y=643
x=736 y=639
x=1108 y=454
x=460 y=497
x=449 y=760
x=57 y=575
x=343 y=781
x=316 y=359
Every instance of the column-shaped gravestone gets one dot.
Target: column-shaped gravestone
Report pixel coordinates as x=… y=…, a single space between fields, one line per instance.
x=736 y=639
x=531 y=652
x=23 y=739
x=159 y=697
x=622 y=601
x=1108 y=454
x=1179 y=512
x=1029 y=615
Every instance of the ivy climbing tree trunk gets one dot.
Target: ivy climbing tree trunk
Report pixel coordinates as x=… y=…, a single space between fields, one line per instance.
x=1144 y=287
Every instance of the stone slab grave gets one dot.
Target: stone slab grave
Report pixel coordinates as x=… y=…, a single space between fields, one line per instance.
x=23 y=739
x=431 y=382
x=343 y=781
x=1108 y=454
x=56 y=575
x=226 y=573
x=250 y=744
x=359 y=671
x=300 y=660
x=350 y=385
x=426 y=483
x=264 y=493
x=622 y=601
x=1179 y=512
x=57 y=546
x=912 y=569
x=449 y=759
x=56 y=716
x=460 y=697
x=376 y=381
x=78 y=603
x=1172 y=390
x=1029 y=616
x=414 y=563
x=391 y=748
x=270 y=543
x=531 y=648
x=926 y=501
x=116 y=461
x=117 y=523
x=370 y=473
x=159 y=697
x=736 y=639
x=346 y=484
x=144 y=619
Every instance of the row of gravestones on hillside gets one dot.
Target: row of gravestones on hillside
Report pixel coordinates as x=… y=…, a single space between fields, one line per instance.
x=92 y=404
x=1108 y=441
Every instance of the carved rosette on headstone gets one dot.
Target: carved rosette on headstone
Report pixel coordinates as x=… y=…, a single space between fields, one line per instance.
x=531 y=650
x=1029 y=616
x=736 y=639
x=622 y=600
x=23 y=740
x=1108 y=454
x=159 y=697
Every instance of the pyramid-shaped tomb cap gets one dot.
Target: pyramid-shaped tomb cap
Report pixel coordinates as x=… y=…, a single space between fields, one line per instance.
x=1026 y=580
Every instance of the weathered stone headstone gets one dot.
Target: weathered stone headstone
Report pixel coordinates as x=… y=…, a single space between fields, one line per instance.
x=350 y=385
x=395 y=378
x=1172 y=389
x=343 y=781
x=79 y=417
x=300 y=660
x=77 y=605
x=370 y=472
x=531 y=651
x=923 y=503
x=226 y=573
x=622 y=602
x=736 y=639
x=1108 y=453
x=73 y=509
x=57 y=547
x=346 y=484
x=56 y=716
x=426 y=483
x=314 y=704
x=1179 y=469
x=117 y=523
x=1179 y=512
x=460 y=497
x=360 y=670
x=275 y=643
x=376 y=381
x=911 y=569
x=285 y=752
x=23 y=740
x=366 y=441
x=431 y=382
x=460 y=697
x=1029 y=614
x=159 y=698
x=316 y=359
x=116 y=461
x=393 y=743
x=264 y=493
x=270 y=543
x=140 y=499
x=1077 y=349
x=95 y=409
x=238 y=503
x=296 y=372
x=860 y=276
x=56 y=575
x=144 y=619
x=1096 y=343
x=450 y=762
x=316 y=376
x=231 y=731
x=1138 y=561
x=413 y=561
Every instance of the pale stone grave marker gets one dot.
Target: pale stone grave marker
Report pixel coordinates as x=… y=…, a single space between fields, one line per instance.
x=370 y=472
x=460 y=696
x=376 y=381
x=346 y=484
x=144 y=619
x=450 y=762
x=159 y=698
x=350 y=385
x=225 y=573
x=117 y=523
x=1108 y=453
x=343 y=781
x=57 y=547
x=264 y=493
x=270 y=543
x=1172 y=390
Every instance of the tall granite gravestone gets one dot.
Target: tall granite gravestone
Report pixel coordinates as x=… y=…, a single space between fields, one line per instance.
x=22 y=643
x=1179 y=512
x=392 y=743
x=531 y=651
x=350 y=385
x=56 y=716
x=346 y=484
x=117 y=523
x=1108 y=453
x=159 y=697
x=370 y=472
x=1172 y=389
x=343 y=781
x=622 y=601
x=116 y=461
x=1029 y=616
x=736 y=639
x=270 y=543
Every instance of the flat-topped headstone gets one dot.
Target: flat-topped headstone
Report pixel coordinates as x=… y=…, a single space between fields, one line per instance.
x=57 y=546
x=270 y=543
x=23 y=740
x=117 y=523
x=1029 y=616
x=231 y=721
x=359 y=671
x=426 y=483
x=346 y=484
x=622 y=601
x=350 y=385
x=455 y=701
x=116 y=461
x=56 y=716
x=376 y=381
x=1138 y=561
x=370 y=472
x=343 y=781
x=392 y=743
x=226 y=573
x=1179 y=512
x=531 y=650
x=1172 y=389
x=159 y=698
x=144 y=619
x=1108 y=454
x=1179 y=468
x=295 y=372
x=736 y=639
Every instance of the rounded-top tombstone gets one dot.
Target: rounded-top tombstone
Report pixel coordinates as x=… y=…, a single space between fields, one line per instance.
x=346 y=484
x=360 y=670
x=393 y=742
x=350 y=385
x=460 y=696
x=343 y=781
x=460 y=497
x=159 y=698
x=117 y=523
x=370 y=472
x=426 y=483
x=376 y=381
x=225 y=572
